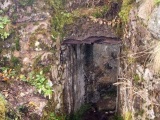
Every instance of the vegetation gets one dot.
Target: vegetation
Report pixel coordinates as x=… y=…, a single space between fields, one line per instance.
x=79 y=113
x=17 y=44
x=53 y=116
x=99 y=13
x=26 y=2
x=128 y=116
x=4 y=27
x=60 y=18
x=118 y=117
x=2 y=107
x=58 y=22
x=157 y=2
x=125 y=9
x=7 y=73
x=42 y=84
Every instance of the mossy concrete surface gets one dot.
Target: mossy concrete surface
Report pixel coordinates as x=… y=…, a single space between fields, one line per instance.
x=2 y=107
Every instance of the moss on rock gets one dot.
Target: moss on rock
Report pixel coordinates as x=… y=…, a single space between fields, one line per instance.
x=2 y=107
x=125 y=9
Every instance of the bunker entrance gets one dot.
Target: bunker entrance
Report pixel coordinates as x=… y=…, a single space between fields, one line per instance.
x=91 y=69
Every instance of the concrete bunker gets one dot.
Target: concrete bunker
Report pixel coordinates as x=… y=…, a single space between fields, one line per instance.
x=90 y=52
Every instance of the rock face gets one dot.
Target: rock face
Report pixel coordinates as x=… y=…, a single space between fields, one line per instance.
x=91 y=69
x=154 y=22
x=23 y=16
x=148 y=13
x=138 y=86
x=91 y=72
x=30 y=25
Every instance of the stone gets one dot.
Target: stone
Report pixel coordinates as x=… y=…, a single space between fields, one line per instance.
x=26 y=60
x=154 y=23
x=148 y=75
x=145 y=10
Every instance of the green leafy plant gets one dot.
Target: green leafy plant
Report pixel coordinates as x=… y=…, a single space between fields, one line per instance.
x=42 y=84
x=4 y=27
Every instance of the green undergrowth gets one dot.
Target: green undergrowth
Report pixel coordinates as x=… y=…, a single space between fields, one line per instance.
x=53 y=116
x=94 y=11
x=26 y=2
x=7 y=74
x=125 y=9
x=78 y=115
x=40 y=81
x=60 y=18
x=4 y=27
x=118 y=117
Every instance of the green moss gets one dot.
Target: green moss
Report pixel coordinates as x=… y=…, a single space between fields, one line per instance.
x=14 y=61
x=49 y=111
x=35 y=65
x=125 y=9
x=131 y=60
x=139 y=113
x=26 y=2
x=128 y=116
x=2 y=107
x=157 y=2
x=15 y=64
x=79 y=113
x=118 y=117
x=136 y=78
x=60 y=18
x=119 y=29
x=17 y=44
x=46 y=69
x=32 y=40
x=15 y=17
x=99 y=13
x=53 y=116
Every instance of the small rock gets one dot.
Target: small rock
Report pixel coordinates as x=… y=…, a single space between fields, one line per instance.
x=148 y=75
